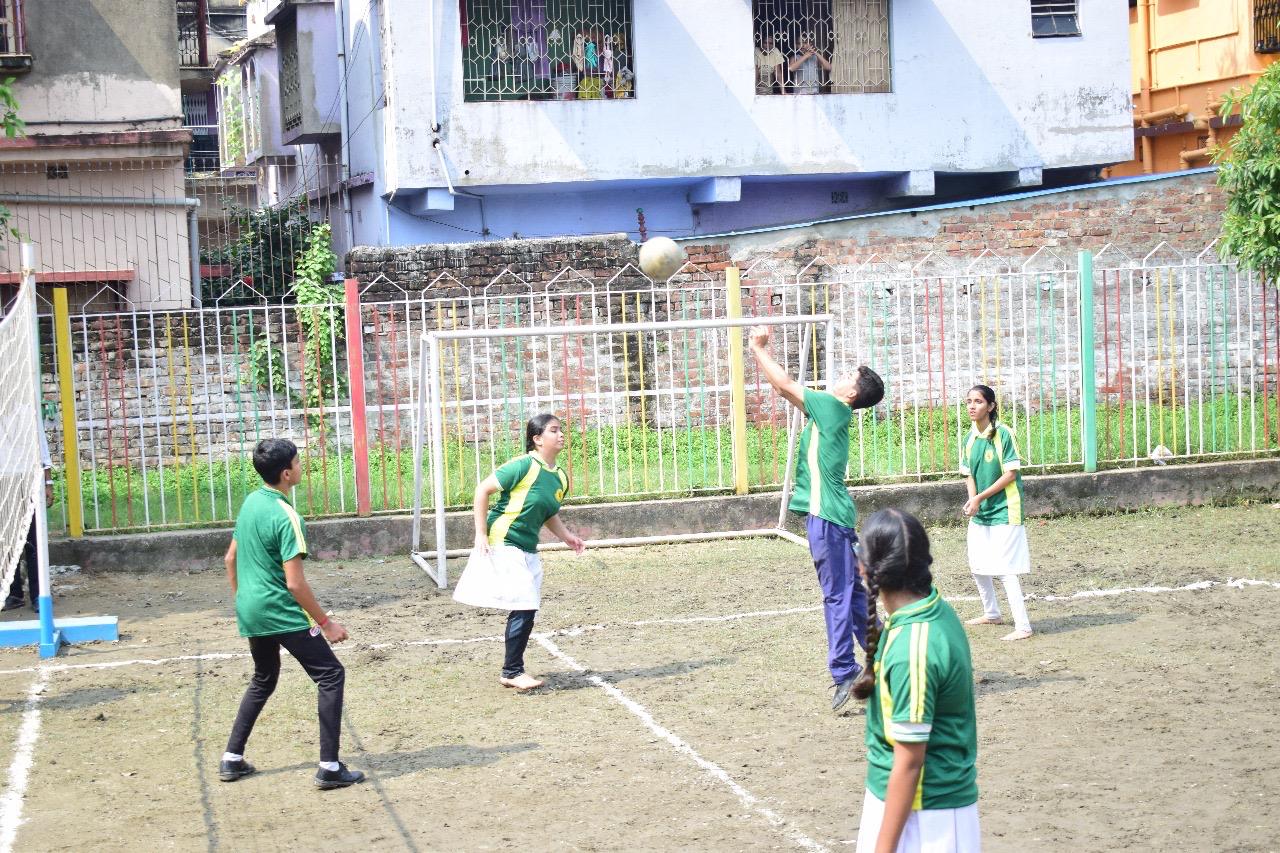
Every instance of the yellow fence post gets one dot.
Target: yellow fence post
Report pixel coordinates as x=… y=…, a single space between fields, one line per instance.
x=737 y=383
x=67 y=403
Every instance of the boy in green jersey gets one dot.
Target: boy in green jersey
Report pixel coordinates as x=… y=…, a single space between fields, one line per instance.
x=821 y=497
x=922 y=730
x=276 y=609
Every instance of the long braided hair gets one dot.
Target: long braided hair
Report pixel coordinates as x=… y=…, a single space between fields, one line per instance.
x=895 y=557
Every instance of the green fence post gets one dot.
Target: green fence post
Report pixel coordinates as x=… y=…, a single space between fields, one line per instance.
x=1088 y=377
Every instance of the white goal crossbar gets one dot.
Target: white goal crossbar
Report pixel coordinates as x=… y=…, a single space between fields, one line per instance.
x=429 y=432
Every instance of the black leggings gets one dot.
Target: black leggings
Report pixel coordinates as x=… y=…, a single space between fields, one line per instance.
x=519 y=627
x=312 y=651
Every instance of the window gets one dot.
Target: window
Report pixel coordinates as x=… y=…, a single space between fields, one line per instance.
x=541 y=50
x=1266 y=27
x=1053 y=18
x=821 y=47
x=13 y=37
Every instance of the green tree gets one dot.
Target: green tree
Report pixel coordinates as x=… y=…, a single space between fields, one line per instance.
x=13 y=126
x=1250 y=173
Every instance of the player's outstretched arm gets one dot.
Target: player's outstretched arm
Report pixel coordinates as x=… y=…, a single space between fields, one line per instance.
x=296 y=581
x=790 y=389
x=557 y=528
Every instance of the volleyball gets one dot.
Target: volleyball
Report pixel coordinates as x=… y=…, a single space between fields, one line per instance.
x=660 y=257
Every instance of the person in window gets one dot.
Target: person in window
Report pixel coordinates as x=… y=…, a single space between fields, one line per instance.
x=769 y=62
x=806 y=69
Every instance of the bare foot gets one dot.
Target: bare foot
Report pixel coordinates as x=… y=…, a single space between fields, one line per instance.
x=1017 y=635
x=523 y=681
x=984 y=620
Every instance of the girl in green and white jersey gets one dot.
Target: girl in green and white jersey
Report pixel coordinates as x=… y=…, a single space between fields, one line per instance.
x=997 y=537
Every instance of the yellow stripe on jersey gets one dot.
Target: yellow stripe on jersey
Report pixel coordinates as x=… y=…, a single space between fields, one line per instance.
x=1013 y=499
x=968 y=450
x=886 y=698
x=918 y=666
x=920 y=663
x=815 y=473
x=515 y=503
x=296 y=523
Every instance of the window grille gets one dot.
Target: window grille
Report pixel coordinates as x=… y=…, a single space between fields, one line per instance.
x=811 y=47
x=1052 y=18
x=12 y=38
x=1266 y=27
x=534 y=50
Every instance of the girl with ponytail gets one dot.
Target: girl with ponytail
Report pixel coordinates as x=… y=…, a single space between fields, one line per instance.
x=997 y=538
x=922 y=738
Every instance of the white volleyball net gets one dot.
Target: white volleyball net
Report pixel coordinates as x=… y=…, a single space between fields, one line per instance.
x=20 y=467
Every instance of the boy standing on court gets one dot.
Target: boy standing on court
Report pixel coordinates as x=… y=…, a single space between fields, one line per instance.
x=275 y=609
x=820 y=495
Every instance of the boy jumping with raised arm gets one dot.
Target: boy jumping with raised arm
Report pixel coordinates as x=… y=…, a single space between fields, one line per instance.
x=821 y=496
x=276 y=608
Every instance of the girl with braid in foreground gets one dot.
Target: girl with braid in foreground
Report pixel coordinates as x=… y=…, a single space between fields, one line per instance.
x=922 y=735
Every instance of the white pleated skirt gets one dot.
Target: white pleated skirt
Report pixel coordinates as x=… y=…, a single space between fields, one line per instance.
x=927 y=830
x=506 y=579
x=998 y=549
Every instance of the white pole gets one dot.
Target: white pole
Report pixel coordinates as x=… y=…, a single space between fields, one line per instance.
x=437 y=457
x=48 y=643
x=419 y=436
x=797 y=421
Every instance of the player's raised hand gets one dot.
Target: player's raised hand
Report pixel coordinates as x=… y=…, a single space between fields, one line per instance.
x=759 y=336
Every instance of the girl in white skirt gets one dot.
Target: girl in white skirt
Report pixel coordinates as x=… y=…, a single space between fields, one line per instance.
x=997 y=536
x=504 y=570
x=922 y=730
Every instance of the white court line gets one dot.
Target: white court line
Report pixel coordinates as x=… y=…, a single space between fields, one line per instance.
x=20 y=767
x=714 y=770
x=577 y=630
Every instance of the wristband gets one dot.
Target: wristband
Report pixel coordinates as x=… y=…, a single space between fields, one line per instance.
x=322 y=624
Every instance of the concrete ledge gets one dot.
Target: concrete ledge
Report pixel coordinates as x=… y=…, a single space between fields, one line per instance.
x=933 y=502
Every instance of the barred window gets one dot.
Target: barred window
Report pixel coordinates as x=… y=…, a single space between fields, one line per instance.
x=541 y=50
x=813 y=47
x=1052 y=18
x=1266 y=26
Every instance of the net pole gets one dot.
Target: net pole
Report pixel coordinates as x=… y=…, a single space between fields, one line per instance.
x=788 y=475
x=437 y=453
x=49 y=637
x=419 y=437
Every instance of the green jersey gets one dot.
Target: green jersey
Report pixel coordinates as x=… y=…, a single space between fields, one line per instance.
x=924 y=694
x=824 y=461
x=269 y=532
x=531 y=493
x=986 y=457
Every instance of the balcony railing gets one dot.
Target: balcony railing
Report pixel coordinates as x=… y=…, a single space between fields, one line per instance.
x=1266 y=27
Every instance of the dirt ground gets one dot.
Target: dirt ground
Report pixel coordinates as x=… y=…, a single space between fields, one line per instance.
x=1144 y=720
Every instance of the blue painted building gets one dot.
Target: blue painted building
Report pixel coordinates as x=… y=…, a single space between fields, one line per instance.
x=459 y=121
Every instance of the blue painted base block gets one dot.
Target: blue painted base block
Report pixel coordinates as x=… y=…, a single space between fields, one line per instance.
x=79 y=629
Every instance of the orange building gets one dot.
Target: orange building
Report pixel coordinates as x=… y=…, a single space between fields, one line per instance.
x=1186 y=54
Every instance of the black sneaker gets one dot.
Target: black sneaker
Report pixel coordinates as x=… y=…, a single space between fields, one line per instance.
x=230 y=771
x=843 y=691
x=340 y=778
x=12 y=602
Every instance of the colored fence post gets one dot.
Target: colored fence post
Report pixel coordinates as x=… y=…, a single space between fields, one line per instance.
x=67 y=403
x=737 y=383
x=1088 y=376
x=355 y=381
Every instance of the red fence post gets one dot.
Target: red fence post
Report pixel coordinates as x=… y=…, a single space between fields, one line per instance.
x=355 y=380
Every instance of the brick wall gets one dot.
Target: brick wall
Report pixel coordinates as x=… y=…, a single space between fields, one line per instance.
x=1183 y=210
